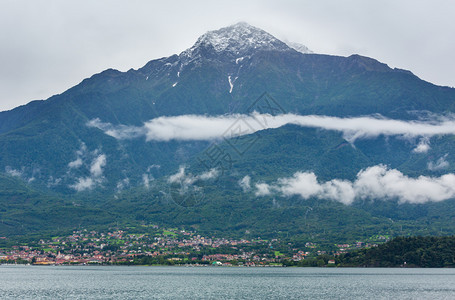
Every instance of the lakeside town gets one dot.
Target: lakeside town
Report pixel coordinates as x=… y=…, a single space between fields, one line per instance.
x=166 y=246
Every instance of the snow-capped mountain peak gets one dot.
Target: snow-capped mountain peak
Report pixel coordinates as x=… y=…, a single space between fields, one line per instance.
x=237 y=40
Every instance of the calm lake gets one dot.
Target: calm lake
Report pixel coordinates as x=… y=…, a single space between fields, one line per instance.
x=104 y=282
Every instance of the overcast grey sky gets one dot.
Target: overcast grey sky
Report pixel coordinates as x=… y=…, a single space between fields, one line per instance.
x=48 y=46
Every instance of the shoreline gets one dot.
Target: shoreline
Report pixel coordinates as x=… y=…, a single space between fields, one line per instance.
x=221 y=266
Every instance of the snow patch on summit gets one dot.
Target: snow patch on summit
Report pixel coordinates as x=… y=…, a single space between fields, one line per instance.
x=238 y=40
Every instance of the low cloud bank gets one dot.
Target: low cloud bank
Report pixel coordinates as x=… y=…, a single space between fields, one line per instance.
x=377 y=182
x=120 y=132
x=197 y=127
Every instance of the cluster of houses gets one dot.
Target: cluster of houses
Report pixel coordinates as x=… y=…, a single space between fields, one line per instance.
x=92 y=247
x=178 y=246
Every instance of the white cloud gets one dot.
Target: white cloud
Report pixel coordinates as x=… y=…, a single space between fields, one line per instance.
x=186 y=183
x=122 y=184
x=120 y=132
x=78 y=162
x=245 y=183
x=196 y=127
x=377 y=182
x=188 y=179
x=338 y=190
x=151 y=167
x=53 y=181
x=83 y=184
x=440 y=164
x=262 y=189
x=146 y=179
x=96 y=169
x=304 y=184
x=96 y=175
x=189 y=127
x=177 y=177
x=383 y=183
x=423 y=146
x=14 y=172
x=75 y=164
x=211 y=174
x=23 y=173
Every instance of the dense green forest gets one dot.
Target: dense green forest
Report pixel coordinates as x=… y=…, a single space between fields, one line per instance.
x=410 y=252
x=424 y=252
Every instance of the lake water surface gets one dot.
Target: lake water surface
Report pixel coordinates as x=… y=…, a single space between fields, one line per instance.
x=105 y=282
